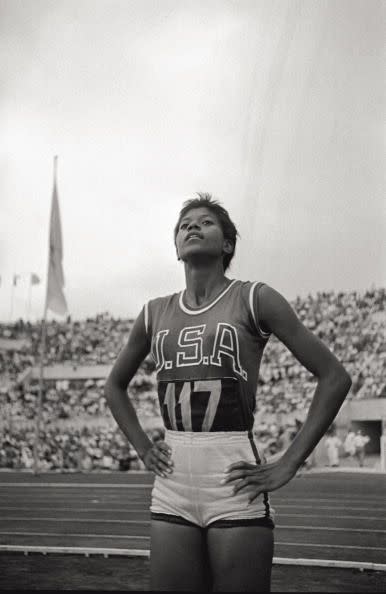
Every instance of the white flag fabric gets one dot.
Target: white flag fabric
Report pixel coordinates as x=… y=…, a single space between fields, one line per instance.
x=56 y=300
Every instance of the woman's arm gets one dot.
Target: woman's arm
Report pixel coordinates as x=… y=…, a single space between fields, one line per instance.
x=334 y=382
x=155 y=456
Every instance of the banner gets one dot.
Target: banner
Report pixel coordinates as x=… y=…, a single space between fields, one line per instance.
x=56 y=300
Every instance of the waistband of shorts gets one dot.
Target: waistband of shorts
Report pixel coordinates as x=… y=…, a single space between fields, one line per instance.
x=206 y=437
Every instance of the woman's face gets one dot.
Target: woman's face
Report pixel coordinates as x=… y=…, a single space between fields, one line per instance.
x=200 y=236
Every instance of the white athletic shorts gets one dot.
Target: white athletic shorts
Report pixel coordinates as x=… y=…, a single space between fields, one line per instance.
x=193 y=493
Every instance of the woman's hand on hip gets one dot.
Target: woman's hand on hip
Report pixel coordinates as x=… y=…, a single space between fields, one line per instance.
x=158 y=459
x=256 y=479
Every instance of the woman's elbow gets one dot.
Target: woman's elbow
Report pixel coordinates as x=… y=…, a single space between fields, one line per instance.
x=336 y=375
x=109 y=389
x=343 y=378
x=113 y=388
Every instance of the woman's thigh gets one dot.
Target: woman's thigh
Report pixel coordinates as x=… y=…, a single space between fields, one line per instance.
x=178 y=557
x=241 y=558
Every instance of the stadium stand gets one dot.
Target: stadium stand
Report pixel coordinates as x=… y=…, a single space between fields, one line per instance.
x=78 y=432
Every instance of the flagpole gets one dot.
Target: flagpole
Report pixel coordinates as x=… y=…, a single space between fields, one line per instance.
x=29 y=299
x=42 y=355
x=12 y=296
x=40 y=393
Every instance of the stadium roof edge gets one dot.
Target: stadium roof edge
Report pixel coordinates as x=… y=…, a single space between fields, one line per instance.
x=66 y=372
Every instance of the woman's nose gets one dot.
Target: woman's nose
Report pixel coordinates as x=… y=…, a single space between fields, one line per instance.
x=193 y=225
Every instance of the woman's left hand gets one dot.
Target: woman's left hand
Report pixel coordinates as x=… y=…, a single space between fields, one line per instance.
x=258 y=478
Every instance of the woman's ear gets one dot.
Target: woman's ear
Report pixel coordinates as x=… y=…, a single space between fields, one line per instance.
x=228 y=246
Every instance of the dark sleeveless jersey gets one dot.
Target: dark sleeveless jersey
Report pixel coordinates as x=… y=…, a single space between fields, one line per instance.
x=207 y=359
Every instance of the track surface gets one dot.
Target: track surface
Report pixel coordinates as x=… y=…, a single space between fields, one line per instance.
x=334 y=516
x=76 y=572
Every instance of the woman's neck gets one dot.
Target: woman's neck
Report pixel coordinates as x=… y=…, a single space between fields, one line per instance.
x=203 y=284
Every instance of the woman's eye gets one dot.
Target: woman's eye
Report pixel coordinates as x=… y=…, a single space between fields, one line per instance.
x=183 y=226
x=207 y=222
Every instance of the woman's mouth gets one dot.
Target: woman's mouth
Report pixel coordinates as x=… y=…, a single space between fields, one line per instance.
x=193 y=236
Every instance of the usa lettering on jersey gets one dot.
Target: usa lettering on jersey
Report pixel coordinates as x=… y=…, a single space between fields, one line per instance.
x=190 y=350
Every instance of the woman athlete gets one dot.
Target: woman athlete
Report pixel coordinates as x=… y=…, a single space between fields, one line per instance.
x=211 y=519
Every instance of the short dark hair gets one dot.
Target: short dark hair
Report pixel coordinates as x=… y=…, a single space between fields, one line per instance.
x=228 y=227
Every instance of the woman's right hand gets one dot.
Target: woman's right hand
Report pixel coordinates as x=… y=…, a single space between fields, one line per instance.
x=158 y=459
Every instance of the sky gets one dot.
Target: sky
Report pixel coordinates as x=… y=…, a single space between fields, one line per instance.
x=276 y=107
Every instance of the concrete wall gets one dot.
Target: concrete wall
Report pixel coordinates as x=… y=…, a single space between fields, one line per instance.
x=368 y=409
x=368 y=414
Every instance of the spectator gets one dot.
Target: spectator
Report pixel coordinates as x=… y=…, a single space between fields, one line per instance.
x=360 y=441
x=349 y=445
x=333 y=444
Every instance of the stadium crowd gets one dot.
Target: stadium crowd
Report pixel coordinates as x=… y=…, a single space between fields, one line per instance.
x=77 y=430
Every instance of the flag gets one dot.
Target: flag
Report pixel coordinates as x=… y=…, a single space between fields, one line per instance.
x=35 y=280
x=15 y=279
x=56 y=300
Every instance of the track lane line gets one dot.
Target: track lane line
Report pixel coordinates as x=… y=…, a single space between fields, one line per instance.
x=106 y=552
x=136 y=537
x=76 y=535
x=145 y=505
x=146 y=510
x=148 y=522
x=150 y=486
x=81 y=485
x=83 y=520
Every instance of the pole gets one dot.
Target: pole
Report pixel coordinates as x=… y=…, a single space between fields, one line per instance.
x=40 y=393
x=29 y=299
x=42 y=354
x=12 y=296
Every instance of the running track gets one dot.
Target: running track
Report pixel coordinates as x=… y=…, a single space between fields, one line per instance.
x=337 y=516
